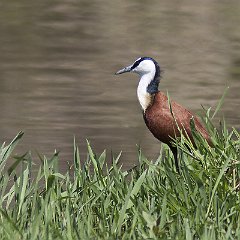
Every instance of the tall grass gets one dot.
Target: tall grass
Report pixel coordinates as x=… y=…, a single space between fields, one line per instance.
x=94 y=200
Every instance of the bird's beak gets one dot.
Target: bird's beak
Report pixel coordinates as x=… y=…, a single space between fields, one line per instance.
x=126 y=69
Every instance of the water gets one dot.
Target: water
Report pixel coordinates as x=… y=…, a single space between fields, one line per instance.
x=58 y=60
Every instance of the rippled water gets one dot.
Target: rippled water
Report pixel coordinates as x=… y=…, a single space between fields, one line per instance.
x=58 y=58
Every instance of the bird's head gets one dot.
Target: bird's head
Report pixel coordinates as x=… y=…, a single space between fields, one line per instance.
x=142 y=66
x=149 y=72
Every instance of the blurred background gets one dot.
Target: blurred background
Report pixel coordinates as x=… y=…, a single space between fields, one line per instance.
x=58 y=59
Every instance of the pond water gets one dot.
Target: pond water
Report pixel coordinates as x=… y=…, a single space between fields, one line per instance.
x=58 y=60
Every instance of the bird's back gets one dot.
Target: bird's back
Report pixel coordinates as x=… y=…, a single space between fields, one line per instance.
x=164 y=125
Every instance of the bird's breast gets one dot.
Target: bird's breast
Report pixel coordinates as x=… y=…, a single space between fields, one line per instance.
x=161 y=123
x=160 y=128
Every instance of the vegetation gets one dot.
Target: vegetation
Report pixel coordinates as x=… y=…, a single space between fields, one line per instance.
x=94 y=200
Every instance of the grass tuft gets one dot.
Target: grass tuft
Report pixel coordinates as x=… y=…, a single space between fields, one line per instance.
x=151 y=201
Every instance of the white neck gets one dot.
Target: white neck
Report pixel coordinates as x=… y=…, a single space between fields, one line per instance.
x=144 y=97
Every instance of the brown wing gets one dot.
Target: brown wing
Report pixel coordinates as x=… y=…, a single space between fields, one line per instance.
x=184 y=117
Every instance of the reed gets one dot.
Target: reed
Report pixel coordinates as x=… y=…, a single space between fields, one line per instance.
x=96 y=200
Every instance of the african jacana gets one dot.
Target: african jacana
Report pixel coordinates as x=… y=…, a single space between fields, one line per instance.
x=163 y=123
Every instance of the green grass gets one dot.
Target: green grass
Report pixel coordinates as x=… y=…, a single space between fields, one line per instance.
x=94 y=200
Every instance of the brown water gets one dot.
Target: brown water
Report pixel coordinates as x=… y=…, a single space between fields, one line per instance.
x=58 y=58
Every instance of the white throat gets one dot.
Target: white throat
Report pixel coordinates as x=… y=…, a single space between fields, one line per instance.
x=144 y=97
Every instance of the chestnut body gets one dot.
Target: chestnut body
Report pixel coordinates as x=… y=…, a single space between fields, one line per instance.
x=164 y=126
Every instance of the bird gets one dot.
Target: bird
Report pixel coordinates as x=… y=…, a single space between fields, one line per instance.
x=165 y=119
